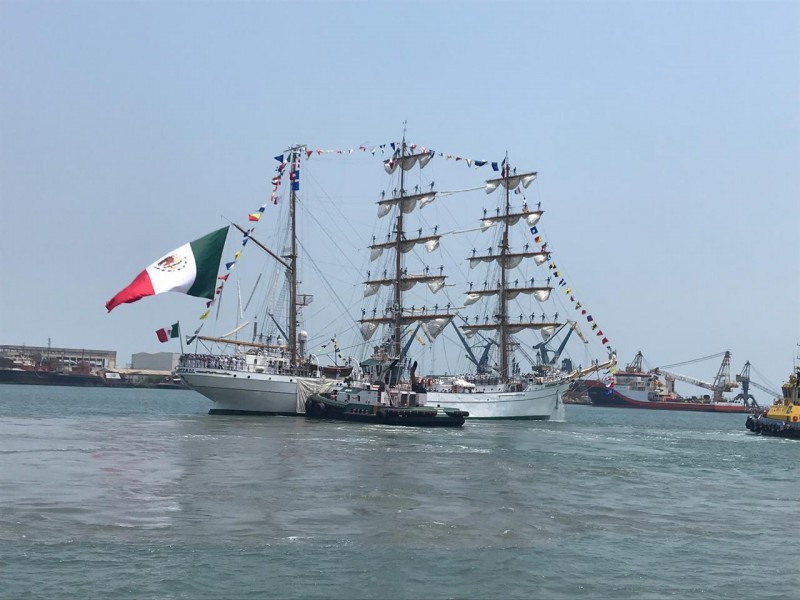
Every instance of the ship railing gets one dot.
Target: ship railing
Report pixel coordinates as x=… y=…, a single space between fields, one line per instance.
x=213 y=361
x=240 y=365
x=447 y=380
x=533 y=378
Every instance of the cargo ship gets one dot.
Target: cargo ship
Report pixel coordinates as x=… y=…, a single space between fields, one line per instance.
x=47 y=372
x=48 y=366
x=633 y=387
x=41 y=377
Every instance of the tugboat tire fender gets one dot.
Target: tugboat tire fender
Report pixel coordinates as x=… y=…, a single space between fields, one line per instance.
x=314 y=408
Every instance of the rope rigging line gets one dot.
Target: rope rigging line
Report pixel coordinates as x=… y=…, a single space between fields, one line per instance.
x=762 y=377
x=687 y=362
x=344 y=309
x=452 y=192
x=331 y=203
x=332 y=240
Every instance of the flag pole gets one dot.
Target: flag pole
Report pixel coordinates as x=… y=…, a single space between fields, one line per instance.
x=180 y=336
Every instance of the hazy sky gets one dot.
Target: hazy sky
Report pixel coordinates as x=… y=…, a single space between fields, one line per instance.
x=666 y=135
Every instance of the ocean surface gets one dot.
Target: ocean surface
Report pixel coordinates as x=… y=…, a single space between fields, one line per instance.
x=140 y=494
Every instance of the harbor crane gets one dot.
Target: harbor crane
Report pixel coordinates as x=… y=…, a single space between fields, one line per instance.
x=636 y=364
x=745 y=395
x=541 y=348
x=722 y=381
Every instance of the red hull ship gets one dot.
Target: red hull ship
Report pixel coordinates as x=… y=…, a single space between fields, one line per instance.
x=634 y=388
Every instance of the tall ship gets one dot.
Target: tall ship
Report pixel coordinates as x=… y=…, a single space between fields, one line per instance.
x=496 y=386
x=269 y=374
x=276 y=374
x=654 y=389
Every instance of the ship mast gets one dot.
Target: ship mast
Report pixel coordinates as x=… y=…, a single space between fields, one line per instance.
x=503 y=308
x=398 y=260
x=397 y=316
x=507 y=259
x=293 y=173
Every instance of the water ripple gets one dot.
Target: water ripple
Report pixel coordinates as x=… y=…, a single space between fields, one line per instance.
x=155 y=499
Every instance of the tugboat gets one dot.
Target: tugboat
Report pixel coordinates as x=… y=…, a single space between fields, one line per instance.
x=782 y=419
x=381 y=398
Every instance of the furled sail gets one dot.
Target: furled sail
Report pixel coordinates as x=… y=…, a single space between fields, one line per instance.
x=367 y=329
x=472 y=298
x=511 y=182
x=435 y=326
x=547 y=332
x=511 y=259
x=435 y=283
x=410 y=316
x=407 y=203
x=407 y=162
x=543 y=294
x=540 y=293
x=370 y=289
x=547 y=328
x=430 y=242
x=532 y=217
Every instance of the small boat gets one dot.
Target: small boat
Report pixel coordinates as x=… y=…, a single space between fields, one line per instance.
x=380 y=398
x=336 y=371
x=782 y=419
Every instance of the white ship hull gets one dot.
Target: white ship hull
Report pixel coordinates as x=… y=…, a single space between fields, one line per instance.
x=241 y=392
x=540 y=402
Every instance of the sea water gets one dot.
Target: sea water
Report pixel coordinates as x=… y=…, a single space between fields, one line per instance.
x=134 y=493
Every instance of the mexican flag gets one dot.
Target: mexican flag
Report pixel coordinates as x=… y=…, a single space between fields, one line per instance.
x=190 y=269
x=167 y=333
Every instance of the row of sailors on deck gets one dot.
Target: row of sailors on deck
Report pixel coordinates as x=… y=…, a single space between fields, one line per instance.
x=210 y=361
x=232 y=363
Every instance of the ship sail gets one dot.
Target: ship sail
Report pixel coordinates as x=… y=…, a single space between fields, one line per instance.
x=508 y=283
x=396 y=314
x=504 y=257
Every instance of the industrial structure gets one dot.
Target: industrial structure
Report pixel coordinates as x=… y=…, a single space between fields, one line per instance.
x=722 y=381
x=57 y=358
x=744 y=379
x=155 y=361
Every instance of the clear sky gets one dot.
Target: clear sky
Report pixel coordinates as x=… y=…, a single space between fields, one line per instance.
x=666 y=135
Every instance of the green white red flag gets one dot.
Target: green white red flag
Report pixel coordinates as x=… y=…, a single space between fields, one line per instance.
x=191 y=269
x=167 y=333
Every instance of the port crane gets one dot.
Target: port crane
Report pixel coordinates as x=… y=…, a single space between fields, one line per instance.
x=542 y=350
x=544 y=357
x=745 y=395
x=722 y=382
